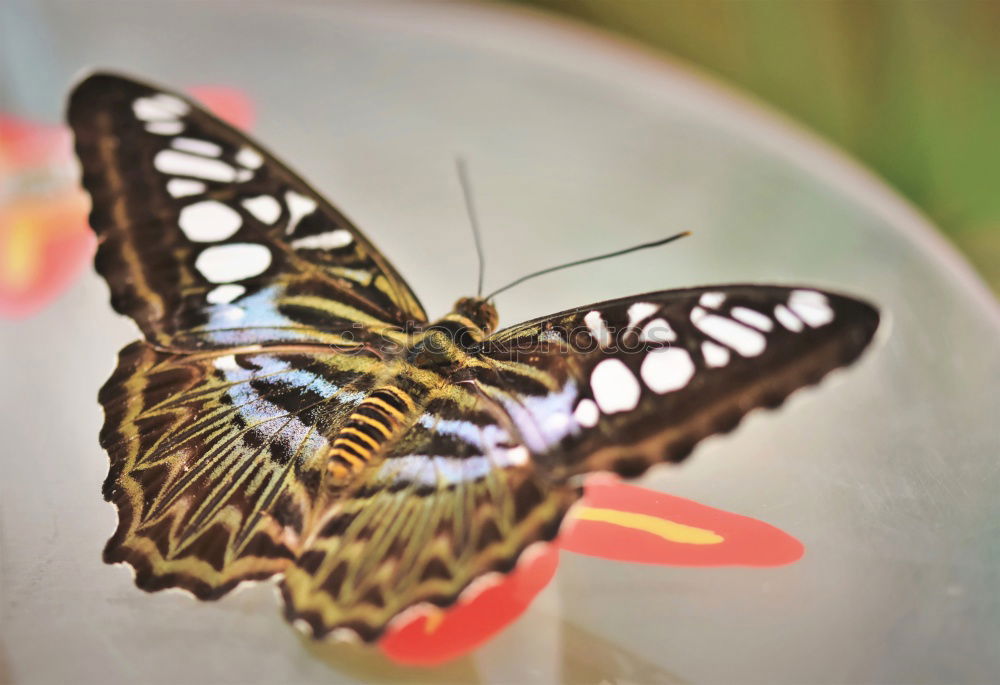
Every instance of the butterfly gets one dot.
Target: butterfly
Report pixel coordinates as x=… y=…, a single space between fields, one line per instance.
x=291 y=413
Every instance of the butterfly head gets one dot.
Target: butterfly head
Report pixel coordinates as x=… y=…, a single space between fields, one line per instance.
x=479 y=312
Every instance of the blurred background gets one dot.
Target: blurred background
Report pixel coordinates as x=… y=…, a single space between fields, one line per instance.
x=911 y=88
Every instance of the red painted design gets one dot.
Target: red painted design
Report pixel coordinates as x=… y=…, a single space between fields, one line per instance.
x=741 y=540
x=442 y=635
x=672 y=531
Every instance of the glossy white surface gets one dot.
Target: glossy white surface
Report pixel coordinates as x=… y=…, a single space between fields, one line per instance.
x=576 y=145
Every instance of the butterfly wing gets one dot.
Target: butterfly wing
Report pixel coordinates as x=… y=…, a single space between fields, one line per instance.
x=456 y=501
x=622 y=385
x=487 y=468
x=265 y=315
x=216 y=458
x=207 y=240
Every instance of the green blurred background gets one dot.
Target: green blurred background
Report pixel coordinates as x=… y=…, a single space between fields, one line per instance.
x=909 y=87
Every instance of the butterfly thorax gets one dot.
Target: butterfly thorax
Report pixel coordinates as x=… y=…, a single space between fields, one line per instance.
x=379 y=419
x=448 y=341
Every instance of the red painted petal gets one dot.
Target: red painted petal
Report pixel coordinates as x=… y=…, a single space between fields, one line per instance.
x=615 y=521
x=629 y=523
x=27 y=144
x=229 y=104
x=442 y=635
x=43 y=248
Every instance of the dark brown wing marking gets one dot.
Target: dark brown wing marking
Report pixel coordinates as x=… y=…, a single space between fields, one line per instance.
x=626 y=384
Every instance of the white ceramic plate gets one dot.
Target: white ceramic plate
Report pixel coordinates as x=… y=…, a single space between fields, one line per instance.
x=577 y=145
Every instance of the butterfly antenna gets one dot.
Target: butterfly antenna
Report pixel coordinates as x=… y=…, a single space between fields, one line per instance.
x=470 y=208
x=617 y=253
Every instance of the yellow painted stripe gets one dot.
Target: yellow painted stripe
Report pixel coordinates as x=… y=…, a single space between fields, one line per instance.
x=668 y=530
x=433 y=620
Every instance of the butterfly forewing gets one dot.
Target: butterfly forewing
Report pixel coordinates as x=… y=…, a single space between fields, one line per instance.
x=626 y=384
x=217 y=428
x=207 y=240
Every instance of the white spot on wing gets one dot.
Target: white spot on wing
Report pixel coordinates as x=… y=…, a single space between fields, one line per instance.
x=147 y=110
x=224 y=294
x=196 y=146
x=752 y=317
x=712 y=300
x=598 y=328
x=178 y=163
x=812 y=307
x=517 y=456
x=172 y=103
x=209 y=221
x=264 y=207
x=159 y=107
x=785 y=317
x=226 y=363
x=331 y=240
x=165 y=128
x=299 y=206
x=747 y=341
x=667 y=369
x=357 y=275
x=715 y=355
x=183 y=187
x=614 y=386
x=342 y=634
x=586 y=413
x=639 y=312
x=233 y=262
x=249 y=158
x=658 y=331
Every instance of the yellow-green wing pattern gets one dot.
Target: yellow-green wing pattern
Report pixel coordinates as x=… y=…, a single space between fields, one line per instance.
x=456 y=498
x=217 y=458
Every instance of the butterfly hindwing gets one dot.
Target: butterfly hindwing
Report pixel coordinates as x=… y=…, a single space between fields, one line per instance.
x=456 y=499
x=207 y=240
x=216 y=458
x=622 y=385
